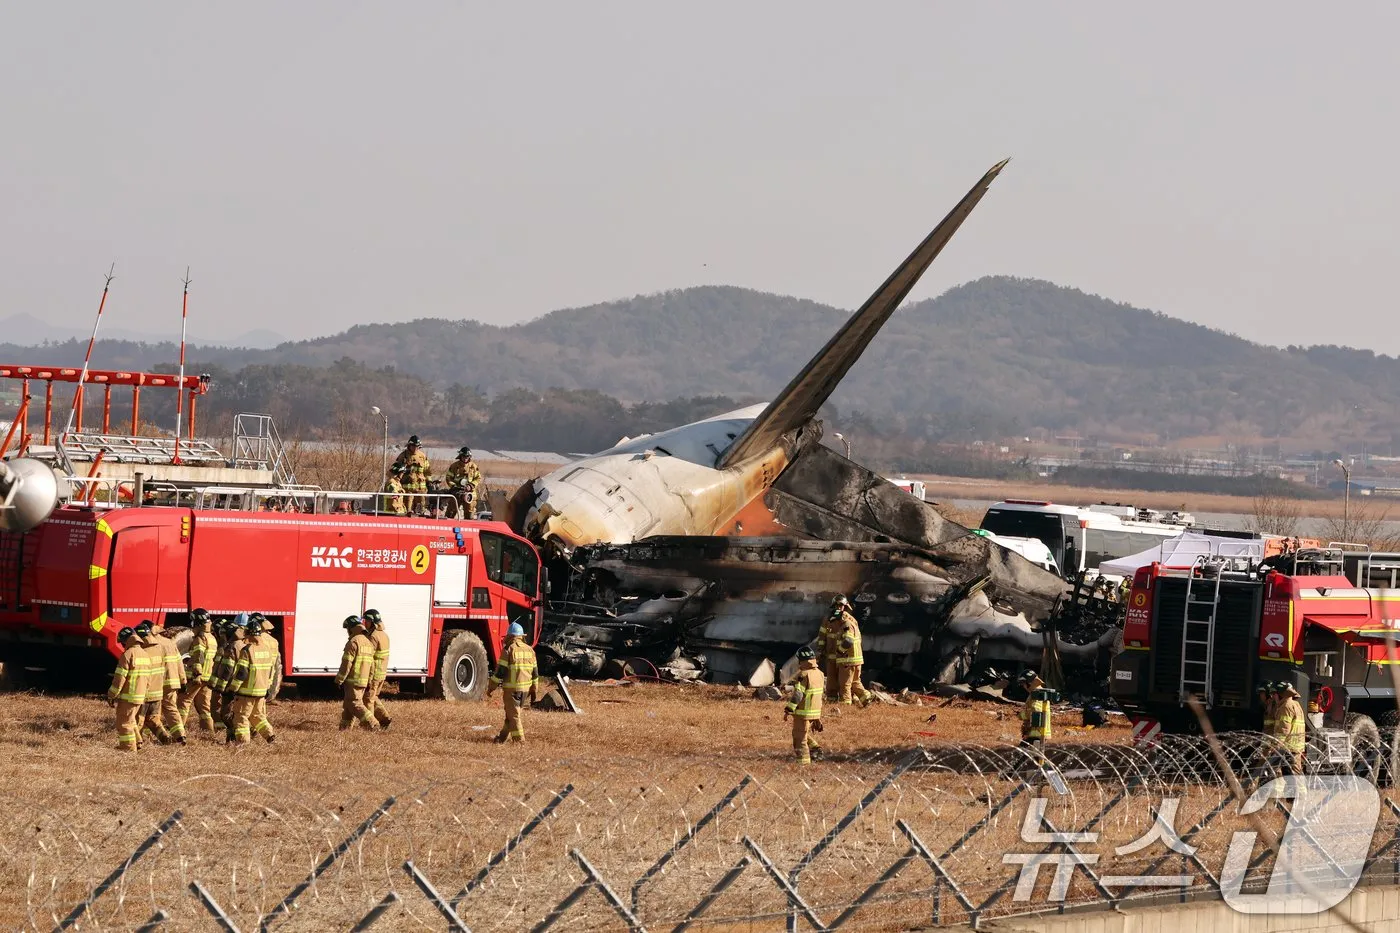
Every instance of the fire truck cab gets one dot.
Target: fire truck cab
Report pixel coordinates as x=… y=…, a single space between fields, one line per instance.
x=1220 y=628
x=447 y=590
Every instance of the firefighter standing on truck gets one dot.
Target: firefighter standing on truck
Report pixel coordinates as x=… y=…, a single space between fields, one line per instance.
x=374 y=628
x=464 y=481
x=393 y=491
x=849 y=660
x=827 y=637
x=416 y=473
x=805 y=707
x=252 y=679
x=356 y=667
x=1290 y=727
x=155 y=684
x=174 y=666
x=200 y=670
x=1035 y=716
x=128 y=690
x=516 y=674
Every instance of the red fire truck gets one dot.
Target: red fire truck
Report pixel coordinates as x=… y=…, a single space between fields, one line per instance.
x=1322 y=619
x=447 y=590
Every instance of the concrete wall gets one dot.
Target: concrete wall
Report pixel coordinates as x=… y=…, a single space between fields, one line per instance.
x=1374 y=909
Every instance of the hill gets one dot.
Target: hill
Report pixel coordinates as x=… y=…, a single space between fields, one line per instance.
x=997 y=356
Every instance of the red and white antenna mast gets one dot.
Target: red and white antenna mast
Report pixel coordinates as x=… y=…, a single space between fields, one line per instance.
x=78 y=392
x=180 y=391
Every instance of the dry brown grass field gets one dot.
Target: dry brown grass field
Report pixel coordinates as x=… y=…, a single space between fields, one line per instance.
x=630 y=777
x=645 y=762
x=953 y=487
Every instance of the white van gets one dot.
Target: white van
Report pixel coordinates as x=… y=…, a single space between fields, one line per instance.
x=1032 y=549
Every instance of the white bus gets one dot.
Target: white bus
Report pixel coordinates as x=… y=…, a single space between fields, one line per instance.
x=1082 y=537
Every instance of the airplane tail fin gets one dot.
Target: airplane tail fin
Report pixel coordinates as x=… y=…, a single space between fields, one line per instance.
x=810 y=389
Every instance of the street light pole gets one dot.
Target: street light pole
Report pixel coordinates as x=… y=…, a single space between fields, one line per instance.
x=384 y=473
x=843 y=439
x=1346 y=500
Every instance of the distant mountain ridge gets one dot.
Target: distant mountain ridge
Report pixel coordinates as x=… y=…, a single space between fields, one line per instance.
x=29 y=331
x=997 y=356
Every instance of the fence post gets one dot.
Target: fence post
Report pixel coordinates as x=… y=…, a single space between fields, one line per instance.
x=120 y=870
x=289 y=901
x=430 y=892
x=690 y=834
x=511 y=845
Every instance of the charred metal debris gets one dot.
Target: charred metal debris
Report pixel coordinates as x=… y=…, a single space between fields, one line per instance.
x=736 y=609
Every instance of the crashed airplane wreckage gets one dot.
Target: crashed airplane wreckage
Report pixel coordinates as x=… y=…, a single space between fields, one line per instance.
x=951 y=607
x=729 y=536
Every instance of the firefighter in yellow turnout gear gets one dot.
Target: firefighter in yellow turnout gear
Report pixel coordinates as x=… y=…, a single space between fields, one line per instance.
x=252 y=678
x=235 y=634
x=128 y=691
x=356 y=668
x=1290 y=728
x=150 y=718
x=847 y=654
x=1036 y=716
x=200 y=670
x=392 y=500
x=174 y=683
x=805 y=707
x=827 y=637
x=417 y=471
x=374 y=628
x=516 y=674
x=464 y=482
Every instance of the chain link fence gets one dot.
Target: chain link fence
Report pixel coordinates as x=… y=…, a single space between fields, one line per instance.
x=899 y=841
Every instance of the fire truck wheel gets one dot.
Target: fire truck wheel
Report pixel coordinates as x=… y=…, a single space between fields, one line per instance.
x=1365 y=746
x=463 y=670
x=1390 y=747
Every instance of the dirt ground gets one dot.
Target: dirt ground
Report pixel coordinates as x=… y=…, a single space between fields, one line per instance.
x=642 y=764
x=44 y=735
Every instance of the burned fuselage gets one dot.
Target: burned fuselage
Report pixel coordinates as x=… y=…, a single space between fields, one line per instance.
x=738 y=600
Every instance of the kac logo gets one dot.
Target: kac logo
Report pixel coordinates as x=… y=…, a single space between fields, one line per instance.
x=331 y=557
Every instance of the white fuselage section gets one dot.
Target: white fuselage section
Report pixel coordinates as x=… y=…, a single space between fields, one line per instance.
x=657 y=484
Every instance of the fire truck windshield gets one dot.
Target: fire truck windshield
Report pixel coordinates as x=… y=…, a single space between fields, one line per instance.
x=510 y=563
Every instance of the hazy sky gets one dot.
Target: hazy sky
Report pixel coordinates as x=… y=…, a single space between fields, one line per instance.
x=322 y=164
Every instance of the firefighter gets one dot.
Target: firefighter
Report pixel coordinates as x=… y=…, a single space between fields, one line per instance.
x=1290 y=727
x=1035 y=716
x=393 y=490
x=200 y=671
x=155 y=684
x=174 y=684
x=463 y=481
x=516 y=674
x=416 y=473
x=805 y=707
x=849 y=660
x=356 y=670
x=827 y=637
x=235 y=635
x=252 y=678
x=1267 y=703
x=374 y=628
x=128 y=691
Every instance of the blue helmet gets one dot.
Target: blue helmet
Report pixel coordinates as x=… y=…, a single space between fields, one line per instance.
x=516 y=629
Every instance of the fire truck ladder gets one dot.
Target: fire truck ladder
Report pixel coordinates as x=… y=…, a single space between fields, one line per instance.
x=1198 y=633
